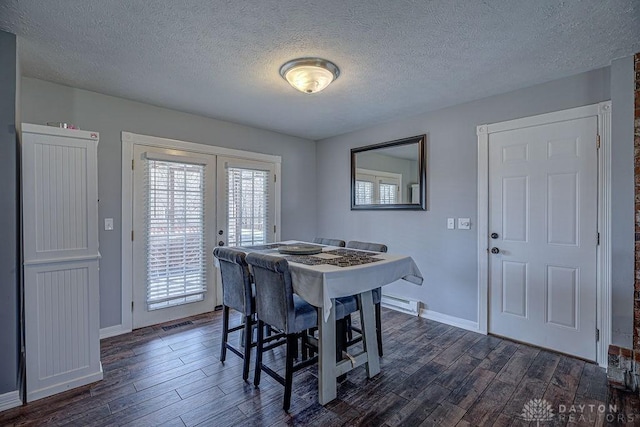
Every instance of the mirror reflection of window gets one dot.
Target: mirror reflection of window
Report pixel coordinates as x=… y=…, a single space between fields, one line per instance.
x=364 y=192
x=375 y=187
x=388 y=194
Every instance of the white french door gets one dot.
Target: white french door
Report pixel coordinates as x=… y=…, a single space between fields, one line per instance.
x=174 y=195
x=246 y=208
x=543 y=228
x=175 y=198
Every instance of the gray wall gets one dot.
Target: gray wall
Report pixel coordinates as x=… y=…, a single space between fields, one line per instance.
x=43 y=102
x=9 y=233
x=447 y=258
x=622 y=197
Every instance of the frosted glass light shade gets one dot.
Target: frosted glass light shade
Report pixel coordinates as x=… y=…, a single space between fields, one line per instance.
x=309 y=75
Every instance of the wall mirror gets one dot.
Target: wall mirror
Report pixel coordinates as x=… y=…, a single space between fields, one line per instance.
x=390 y=175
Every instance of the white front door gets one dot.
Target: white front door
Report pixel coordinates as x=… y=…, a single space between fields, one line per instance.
x=174 y=234
x=543 y=185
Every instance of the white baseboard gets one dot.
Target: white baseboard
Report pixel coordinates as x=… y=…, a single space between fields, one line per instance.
x=112 y=331
x=469 y=325
x=65 y=385
x=10 y=400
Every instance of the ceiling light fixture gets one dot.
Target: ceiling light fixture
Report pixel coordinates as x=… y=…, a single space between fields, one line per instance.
x=309 y=75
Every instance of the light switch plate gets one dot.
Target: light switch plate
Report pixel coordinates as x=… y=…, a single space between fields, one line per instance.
x=451 y=223
x=108 y=224
x=464 y=223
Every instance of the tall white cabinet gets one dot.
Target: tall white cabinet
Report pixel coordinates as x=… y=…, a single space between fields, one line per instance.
x=61 y=259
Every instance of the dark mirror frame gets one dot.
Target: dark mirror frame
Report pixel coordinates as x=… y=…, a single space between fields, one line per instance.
x=422 y=171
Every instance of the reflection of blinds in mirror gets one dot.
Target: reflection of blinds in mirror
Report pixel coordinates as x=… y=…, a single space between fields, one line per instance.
x=248 y=202
x=388 y=193
x=364 y=192
x=174 y=233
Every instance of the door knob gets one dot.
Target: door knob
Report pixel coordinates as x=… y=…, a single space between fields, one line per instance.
x=494 y=235
x=220 y=243
x=495 y=250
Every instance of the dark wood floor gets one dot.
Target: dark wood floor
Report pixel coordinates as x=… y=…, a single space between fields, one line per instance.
x=432 y=374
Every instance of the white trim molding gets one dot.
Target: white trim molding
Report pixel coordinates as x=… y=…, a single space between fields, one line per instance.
x=458 y=322
x=603 y=276
x=112 y=331
x=603 y=308
x=10 y=400
x=155 y=141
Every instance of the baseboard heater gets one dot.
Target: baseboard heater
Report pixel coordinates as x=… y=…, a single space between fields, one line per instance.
x=402 y=304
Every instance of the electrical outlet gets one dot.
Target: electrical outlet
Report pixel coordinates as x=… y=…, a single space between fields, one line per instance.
x=108 y=224
x=451 y=224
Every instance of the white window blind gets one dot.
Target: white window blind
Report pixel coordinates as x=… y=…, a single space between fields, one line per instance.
x=248 y=206
x=175 y=237
x=388 y=193
x=364 y=192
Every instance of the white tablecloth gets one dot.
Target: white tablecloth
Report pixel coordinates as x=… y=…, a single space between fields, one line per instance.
x=318 y=284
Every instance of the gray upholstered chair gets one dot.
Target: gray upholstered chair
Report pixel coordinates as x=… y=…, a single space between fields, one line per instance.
x=278 y=307
x=236 y=294
x=329 y=242
x=376 y=293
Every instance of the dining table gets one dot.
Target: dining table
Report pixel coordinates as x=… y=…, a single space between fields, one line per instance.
x=335 y=272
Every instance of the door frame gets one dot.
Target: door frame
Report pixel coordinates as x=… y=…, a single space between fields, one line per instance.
x=128 y=141
x=602 y=111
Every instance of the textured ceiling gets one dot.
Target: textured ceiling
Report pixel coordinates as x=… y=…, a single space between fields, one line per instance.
x=220 y=58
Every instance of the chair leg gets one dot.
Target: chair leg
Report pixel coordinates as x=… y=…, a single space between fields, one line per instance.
x=248 y=334
x=256 y=375
x=349 y=330
x=304 y=345
x=292 y=352
x=342 y=328
x=379 y=328
x=225 y=333
x=341 y=335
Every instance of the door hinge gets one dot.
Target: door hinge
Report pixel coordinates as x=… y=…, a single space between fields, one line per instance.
x=598 y=243
x=131 y=305
x=132 y=163
x=132 y=235
x=274 y=228
x=275 y=177
x=597 y=334
x=597 y=142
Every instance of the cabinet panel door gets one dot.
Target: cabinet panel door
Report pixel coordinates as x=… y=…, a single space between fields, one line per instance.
x=61 y=327
x=59 y=197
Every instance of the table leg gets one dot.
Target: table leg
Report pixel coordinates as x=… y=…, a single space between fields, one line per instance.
x=367 y=314
x=327 y=386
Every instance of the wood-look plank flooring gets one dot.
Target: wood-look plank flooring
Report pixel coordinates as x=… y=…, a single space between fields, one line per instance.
x=432 y=374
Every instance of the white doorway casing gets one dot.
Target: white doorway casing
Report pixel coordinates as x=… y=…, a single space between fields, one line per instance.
x=602 y=112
